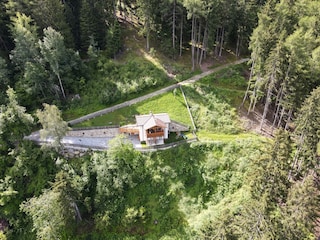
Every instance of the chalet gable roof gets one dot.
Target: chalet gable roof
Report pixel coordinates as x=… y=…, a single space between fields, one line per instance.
x=151 y=120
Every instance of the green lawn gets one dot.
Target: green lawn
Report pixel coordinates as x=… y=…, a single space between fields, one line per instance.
x=171 y=103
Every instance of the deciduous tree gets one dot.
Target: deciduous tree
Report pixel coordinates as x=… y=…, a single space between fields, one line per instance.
x=52 y=123
x=55 y=53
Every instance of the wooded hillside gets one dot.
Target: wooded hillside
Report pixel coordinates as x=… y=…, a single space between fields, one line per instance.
x=60 y=60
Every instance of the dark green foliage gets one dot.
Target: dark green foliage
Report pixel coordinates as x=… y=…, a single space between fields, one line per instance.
x=4 y=79
x=284 y=49
x=94 y=20
x=109 y=82
x=270 y=179
x=274 y=197
x=15 y=123
x=114 y=39
x=51 y=13
x=307 y=135
x=5 y=41
x=27 y=172
x=234 y=189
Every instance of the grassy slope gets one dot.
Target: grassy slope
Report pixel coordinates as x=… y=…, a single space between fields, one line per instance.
x=169 y=102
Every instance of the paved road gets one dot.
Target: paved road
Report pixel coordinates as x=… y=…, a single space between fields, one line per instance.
x=84 y=142
x=153 y=94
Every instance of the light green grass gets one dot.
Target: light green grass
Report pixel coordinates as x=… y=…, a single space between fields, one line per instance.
x=170 y=103
x=209 y=136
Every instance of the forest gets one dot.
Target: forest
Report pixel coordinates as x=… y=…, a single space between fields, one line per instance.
x=253 y=172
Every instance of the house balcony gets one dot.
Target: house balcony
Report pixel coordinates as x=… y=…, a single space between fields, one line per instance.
x=155 y=134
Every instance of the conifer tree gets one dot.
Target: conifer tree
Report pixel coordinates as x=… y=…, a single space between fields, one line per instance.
x=307 y=134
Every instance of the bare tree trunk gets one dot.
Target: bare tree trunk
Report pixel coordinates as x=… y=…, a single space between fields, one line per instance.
x=278 y=104
x=76 y=209
x=204 y=47
x=288 y=120
x=253 y=99
x=114 y=9
x=221 y=42
x=193 y=40
x=217 y=42
x=120 y=8
x=266 y=106
x=198 y=41
x=238 y=45
x=61 y=86
x=249 y=83
x=3 y=43
x=181 y=34
x=174 y=28
x=296 y=155
x=206 y=43
x=148 y=34
x=281 y=117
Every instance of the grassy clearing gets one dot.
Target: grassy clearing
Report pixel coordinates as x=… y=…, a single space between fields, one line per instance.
x=171 y=103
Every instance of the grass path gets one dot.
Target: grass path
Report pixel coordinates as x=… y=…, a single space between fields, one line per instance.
x=153 y=94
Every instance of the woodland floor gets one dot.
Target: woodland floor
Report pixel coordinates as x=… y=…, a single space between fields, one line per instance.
x=252 y=121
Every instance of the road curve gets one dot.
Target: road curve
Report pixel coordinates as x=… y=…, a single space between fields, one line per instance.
x=153 y=94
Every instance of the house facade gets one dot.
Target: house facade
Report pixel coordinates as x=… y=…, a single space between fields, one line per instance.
x=153 y=128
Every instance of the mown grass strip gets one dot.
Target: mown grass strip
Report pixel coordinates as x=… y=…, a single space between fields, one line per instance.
x=205 y=136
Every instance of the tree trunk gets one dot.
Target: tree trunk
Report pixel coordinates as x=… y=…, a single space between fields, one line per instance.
x=221 y=42
x=115 y=9
x=296 y=155
x=254 y=98
x=76 y=209
x=148 y=35
x=61 y=86
x=174 y=28
x=278 y=104
x=288 y=120
x=217 y=42
x=193 y=41
x=249 y=83
x=181 y=35
x=281 y=117
x=122 y=14
x=266 y=106
x=206 y=43
x=3 y=43
x=198 y=42
x=203 y=50
x=238 y=45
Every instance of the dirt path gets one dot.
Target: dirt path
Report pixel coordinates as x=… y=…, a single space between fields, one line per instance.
x=153 y=94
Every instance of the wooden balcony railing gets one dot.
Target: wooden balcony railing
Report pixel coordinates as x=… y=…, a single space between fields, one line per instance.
x=155 y=134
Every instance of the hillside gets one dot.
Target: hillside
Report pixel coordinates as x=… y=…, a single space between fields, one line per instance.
x=253 y=172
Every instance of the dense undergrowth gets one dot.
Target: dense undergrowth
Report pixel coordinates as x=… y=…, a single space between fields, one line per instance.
x=170 y=194
x=108 y=82
x=215 y=99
